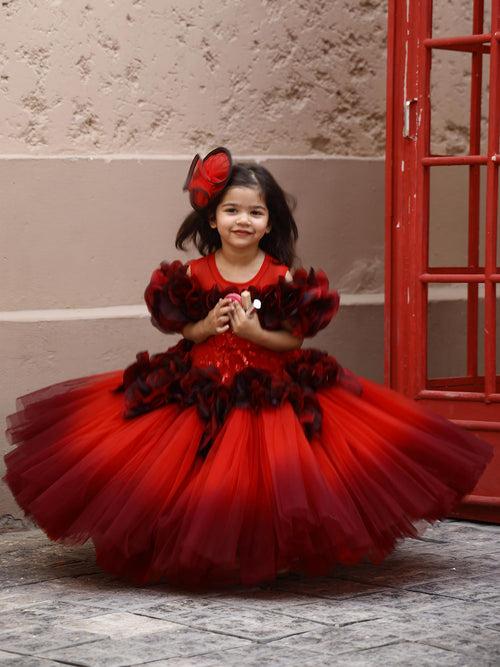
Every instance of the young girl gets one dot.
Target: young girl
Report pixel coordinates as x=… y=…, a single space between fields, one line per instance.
x=236 y=454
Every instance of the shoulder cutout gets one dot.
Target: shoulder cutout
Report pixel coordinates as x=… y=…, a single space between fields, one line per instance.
x=288 y=277
x=188 y=270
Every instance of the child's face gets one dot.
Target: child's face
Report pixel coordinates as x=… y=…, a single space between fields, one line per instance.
x=241 y=218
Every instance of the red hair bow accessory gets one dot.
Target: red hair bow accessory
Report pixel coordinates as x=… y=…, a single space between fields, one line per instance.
x=207 y=177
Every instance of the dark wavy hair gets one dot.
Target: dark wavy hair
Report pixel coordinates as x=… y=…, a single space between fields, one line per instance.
x=279 y=242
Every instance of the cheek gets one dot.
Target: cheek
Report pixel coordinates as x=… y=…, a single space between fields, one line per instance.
x=221 y=221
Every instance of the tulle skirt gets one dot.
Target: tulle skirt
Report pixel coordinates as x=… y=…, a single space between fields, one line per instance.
x=264 y=499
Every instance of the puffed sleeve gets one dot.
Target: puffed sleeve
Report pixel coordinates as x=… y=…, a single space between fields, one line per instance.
x=306 y=303
x=173 y=298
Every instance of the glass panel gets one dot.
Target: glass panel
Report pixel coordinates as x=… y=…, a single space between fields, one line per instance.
x=480 y=332
x=482 y=213
x=497 y=360
x=448 y=215
x=450 y=90
x=446 y=330
x=448 y=18
x=485 y=89
x=487 y=15
x=498 y=221
x=482 y=218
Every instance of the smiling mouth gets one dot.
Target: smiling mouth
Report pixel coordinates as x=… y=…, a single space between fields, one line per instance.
x=243 y=232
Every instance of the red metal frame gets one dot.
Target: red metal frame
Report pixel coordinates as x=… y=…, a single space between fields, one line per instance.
x=472 y=400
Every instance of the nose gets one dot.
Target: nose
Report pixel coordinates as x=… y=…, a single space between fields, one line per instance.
x=242 y=218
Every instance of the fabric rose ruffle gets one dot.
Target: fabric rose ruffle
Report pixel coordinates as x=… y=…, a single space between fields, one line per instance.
x=169 y=377
x=306 y=303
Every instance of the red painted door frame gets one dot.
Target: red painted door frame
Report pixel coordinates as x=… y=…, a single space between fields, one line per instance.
x=473 y=401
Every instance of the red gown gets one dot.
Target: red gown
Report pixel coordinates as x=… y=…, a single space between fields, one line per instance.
x=224 y=462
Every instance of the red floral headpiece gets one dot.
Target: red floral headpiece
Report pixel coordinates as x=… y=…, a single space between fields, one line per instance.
x=207 y=177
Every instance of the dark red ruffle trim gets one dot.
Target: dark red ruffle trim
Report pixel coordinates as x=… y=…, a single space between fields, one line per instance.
x=168 y=377
x=306 y=303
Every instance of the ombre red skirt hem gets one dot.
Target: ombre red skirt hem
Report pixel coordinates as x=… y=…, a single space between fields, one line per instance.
x=264 y=498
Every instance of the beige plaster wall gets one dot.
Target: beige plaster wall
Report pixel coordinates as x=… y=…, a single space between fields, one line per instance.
x=176 y=76
x=102 y=106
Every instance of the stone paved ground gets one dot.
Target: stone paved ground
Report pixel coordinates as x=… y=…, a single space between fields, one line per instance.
x=434 y=601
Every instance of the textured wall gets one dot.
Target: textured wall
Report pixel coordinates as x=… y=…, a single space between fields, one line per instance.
x=176 y=76
x=451 y=79
x=116 y=82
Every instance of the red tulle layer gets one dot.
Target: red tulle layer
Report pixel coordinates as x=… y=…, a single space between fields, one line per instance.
x=264 y=499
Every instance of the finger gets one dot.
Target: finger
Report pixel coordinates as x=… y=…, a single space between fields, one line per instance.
x=246 y=299
x=222 y=329
x=223 y=319
x=225 y=309
x=239 y=309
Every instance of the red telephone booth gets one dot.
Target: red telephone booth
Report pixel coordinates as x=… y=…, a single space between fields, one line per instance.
x=417 y=323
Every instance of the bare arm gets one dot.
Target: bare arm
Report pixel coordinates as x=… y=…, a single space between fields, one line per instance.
x=217 y=321
x=196 y=331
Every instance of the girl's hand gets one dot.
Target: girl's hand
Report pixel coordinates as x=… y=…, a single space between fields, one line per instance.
x=217 y=320
x=243 y=325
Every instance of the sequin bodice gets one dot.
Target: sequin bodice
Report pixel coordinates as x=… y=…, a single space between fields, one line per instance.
x=230 y=354
x=226 y=351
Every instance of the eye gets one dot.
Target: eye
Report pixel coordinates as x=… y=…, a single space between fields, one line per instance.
x=259 y=212
x=231 y=209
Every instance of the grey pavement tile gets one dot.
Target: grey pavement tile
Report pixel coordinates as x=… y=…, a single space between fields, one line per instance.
x=27 y=573
x=117 y=596
x=46 y=549
x=411 y=568
x=487 y=561
x=325 y=587
x=402 y=578
x=16 y=660
x=254 y=624
x=47 y=612
x=493 y=626
x=265 y=600
x=15 y=539
x=472 y=612
x=427 y=593
x=337 y=640
x=400 y=600
x=256 y=655
x=37 y=591
x=480 y=614
x=477 y=643
x=144 y=648
x=99 y=593
x=366 y=607
x=473 y=588
x=119 y=624
x=330 y=612
x=408 y=654
x=494 y=600
x=451 y=549
x=42 y=636
x=419 y=627
x=466 y=530
x=462 y=525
